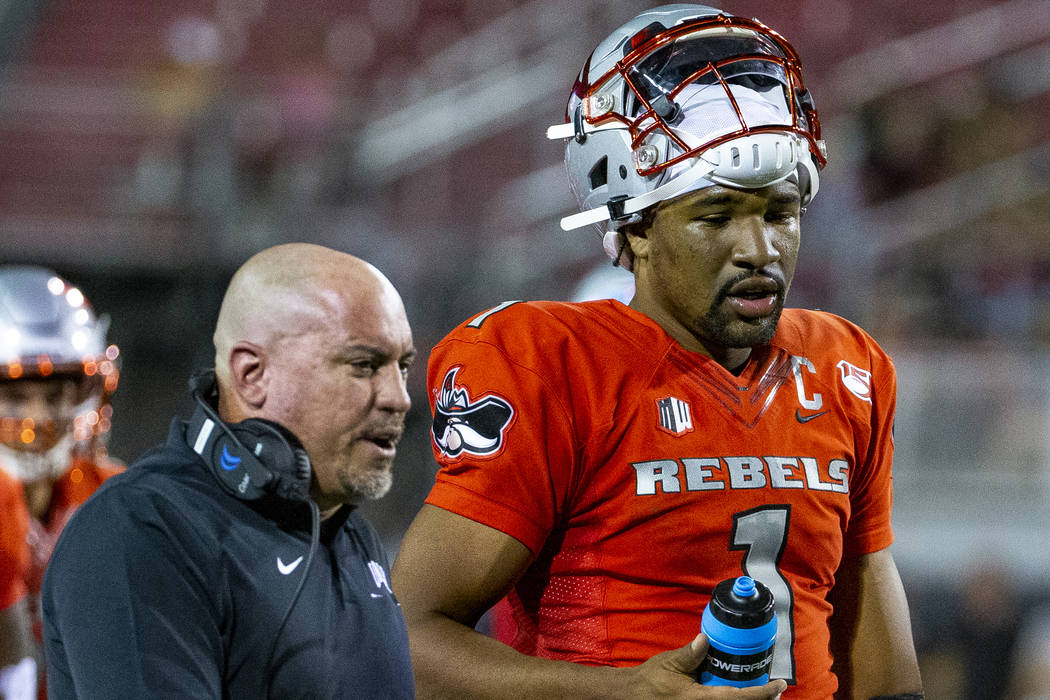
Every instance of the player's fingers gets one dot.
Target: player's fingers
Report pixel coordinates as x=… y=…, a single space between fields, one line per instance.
x=769 y=691
x=773 y=689
x=687 y=659
x=699 y=645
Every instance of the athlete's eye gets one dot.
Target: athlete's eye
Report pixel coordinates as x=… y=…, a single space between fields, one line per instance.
x=714 y=219
x=785 y=216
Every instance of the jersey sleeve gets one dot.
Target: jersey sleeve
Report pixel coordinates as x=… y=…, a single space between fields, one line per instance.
x=125 y=604
x=501 y=432
x=870 y=528
x=14 y=547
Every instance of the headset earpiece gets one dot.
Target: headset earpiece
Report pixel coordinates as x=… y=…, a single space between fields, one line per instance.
x=251 y=460
x=292 y=469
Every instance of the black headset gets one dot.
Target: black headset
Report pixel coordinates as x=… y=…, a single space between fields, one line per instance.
x=252 y=460
x=277 y=466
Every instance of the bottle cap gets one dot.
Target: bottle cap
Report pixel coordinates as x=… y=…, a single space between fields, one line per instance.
x=742 y=602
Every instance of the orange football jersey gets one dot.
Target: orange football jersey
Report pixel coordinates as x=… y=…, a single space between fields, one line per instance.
x=26 y=543
x=641 y=474
x=14 y=550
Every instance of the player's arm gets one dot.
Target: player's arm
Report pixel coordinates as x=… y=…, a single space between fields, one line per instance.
x=871 y=630
x=18 y=663
x=450 y=570
x=19 y=653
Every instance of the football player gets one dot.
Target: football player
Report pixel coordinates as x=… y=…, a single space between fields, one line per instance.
x=57 y=374
x=604 y=466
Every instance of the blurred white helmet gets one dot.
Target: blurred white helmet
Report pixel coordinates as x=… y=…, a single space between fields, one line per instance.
x=605 y=282
x=56 y=371
x=683 y=97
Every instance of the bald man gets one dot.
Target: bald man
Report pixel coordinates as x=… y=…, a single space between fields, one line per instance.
x=230 y=562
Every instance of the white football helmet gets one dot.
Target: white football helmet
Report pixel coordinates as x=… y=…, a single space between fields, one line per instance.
x=683 y=97
x=56 y=372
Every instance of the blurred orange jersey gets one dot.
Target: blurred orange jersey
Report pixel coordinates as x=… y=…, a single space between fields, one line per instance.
x=641 y=474
x=14 y=548
x=27 y=543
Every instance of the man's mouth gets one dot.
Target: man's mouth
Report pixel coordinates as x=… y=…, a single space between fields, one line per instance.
x=385 y=440
x=754 y=297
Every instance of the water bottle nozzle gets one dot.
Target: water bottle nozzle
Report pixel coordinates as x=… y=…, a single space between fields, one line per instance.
x=744 y=586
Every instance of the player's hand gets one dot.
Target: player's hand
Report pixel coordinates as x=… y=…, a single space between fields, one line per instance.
x=672 y=674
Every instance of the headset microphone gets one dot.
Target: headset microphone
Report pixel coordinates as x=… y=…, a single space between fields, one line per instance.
x=253 y=459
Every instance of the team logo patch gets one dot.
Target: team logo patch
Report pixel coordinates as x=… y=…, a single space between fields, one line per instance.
x=676 y=416
x=462 y=425
x=857 y=380
x=379 y=576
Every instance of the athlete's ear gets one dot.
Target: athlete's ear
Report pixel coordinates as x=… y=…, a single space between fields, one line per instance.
x=639 y=244
x=248 y=376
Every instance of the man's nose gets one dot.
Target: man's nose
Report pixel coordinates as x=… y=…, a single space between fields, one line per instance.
x=392 y=392
x=754 y=246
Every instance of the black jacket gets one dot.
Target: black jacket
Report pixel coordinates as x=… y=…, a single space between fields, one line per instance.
x=163 y=585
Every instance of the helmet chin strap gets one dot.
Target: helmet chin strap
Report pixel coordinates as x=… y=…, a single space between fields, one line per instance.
x=668 y=190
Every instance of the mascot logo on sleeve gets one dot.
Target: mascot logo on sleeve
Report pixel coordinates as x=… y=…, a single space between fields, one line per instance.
x=857 y=380
x=462 y=425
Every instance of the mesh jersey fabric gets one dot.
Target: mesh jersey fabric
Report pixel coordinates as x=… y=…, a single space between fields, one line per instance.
x=640 y=474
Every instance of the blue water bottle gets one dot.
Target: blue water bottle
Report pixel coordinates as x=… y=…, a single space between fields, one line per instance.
x=741 y=625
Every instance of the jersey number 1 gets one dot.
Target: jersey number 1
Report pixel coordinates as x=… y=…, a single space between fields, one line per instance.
x=762 y=534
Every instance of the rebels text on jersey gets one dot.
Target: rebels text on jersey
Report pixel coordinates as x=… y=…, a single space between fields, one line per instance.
x=641 y=474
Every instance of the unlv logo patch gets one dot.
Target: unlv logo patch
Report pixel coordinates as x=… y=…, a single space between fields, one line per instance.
x=462 y=425
x=675 y=416
x=857 y=380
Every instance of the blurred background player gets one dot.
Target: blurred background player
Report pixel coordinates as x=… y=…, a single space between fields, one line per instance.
x=57 y=375
x=605 y=281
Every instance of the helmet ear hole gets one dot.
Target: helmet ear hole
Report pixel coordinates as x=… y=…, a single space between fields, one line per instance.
x=599 y=174
x=623 y=172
